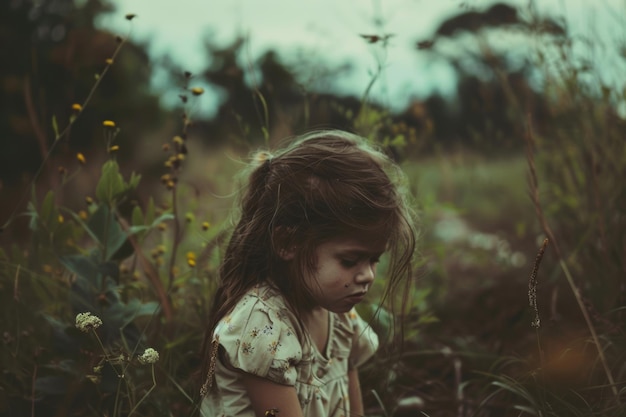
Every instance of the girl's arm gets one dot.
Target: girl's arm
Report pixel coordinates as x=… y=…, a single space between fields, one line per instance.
x=266 y=395
x=354 y=391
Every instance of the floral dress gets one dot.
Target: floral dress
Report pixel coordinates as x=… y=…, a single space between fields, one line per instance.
x=261 y=336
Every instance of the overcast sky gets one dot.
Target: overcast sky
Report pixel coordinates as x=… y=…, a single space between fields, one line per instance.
x=326 y=32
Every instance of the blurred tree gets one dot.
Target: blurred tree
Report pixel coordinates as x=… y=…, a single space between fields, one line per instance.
x=264 y=99
x=495 y=81
x=51 y=53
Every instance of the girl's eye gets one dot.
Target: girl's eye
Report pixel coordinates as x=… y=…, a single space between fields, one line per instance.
x=348 y=263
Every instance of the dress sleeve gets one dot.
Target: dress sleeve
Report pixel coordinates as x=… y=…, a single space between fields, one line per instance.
x=258 y=339
x=364 y=340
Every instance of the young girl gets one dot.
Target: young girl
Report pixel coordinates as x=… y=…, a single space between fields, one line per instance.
x=284 y=338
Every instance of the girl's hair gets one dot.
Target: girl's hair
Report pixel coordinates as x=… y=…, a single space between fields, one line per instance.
x=324 y=185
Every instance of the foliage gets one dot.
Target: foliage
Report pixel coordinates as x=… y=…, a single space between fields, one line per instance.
x=140 y=252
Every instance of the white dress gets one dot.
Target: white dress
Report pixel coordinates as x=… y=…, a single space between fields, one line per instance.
x=261 y=336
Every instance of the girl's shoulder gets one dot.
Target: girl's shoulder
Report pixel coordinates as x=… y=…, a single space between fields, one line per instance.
x=263 y=305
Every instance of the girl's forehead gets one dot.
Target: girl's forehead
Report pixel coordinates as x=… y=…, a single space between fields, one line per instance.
x=359 y=242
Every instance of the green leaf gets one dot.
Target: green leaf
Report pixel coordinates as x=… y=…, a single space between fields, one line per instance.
x=107 y=231
x=52 y=385
x=150 y=212
x=137 y=217
x=81 y=266
x=47 y=211
x=55 y=127
x=111 y=183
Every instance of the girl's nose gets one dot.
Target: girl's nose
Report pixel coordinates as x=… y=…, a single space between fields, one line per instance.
x=366 y=274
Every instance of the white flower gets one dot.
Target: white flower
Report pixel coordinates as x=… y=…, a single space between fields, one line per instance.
x=149 y=356
x=86 y=322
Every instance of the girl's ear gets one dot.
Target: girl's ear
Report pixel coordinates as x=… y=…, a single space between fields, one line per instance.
x=287 y=254
x=284 y=237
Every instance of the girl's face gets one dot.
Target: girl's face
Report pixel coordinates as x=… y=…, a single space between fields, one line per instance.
x=345 y=270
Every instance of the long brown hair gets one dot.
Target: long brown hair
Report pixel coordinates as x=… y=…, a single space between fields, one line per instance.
x=323 y=185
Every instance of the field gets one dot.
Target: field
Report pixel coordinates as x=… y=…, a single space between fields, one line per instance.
x=518 y=302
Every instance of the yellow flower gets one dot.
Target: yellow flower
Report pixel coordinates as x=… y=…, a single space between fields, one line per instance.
x=191 y=262
x=206 y=225
x=83 y=215
x=196 y=91
x=77 y=107
x=177 y=140
x=170 y=184
x=89 y=200
x=61 y=219
x=191 y=255
x=114 y=148
x=81 y=158
x=108 y=123
x=109 y=61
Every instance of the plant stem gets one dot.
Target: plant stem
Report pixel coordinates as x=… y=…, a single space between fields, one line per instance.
x=534 y=188
x=146 y=394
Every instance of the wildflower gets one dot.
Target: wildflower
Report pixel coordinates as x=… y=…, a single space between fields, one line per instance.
x=89 y=200
x=108 y=123
x=205 y=226
x=149 y=356
x=61 y=219
x=83 y=215
x=81 y=158
x=77 y=107
x=114 y=148
x=170 y=184
x=196 y=91
x=191 y=259
x=189 y=217
x=86 y=322
x=177 y=140
x=180 y=157
x=109 y=61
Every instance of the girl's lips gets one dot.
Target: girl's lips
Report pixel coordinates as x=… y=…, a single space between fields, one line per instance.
x=356 y=298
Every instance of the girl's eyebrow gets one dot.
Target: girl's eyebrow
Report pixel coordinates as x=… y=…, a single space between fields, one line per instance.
x=360 y=252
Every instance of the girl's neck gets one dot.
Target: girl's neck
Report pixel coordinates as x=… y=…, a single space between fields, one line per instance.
x=316 y=322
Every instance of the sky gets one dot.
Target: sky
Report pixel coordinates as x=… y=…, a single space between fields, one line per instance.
x=318 y=34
